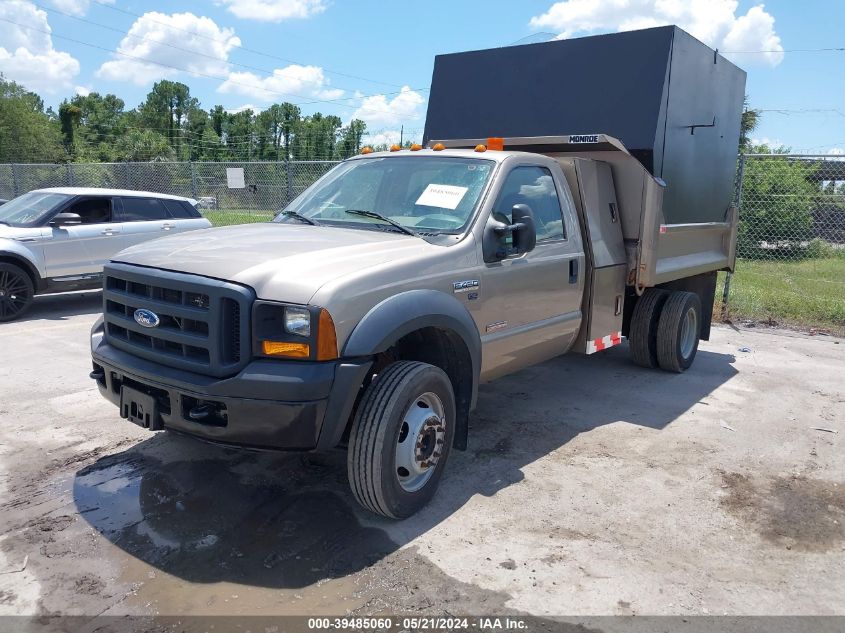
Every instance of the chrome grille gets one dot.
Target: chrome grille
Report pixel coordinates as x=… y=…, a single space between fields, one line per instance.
x=201 y=321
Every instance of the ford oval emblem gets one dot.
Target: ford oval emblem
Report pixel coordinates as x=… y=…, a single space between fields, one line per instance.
x=146 y=318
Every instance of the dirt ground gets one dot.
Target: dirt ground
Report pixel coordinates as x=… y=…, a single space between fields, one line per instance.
x=591 y=487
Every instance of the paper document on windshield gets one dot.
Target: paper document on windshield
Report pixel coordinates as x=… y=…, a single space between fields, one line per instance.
x=443 y=196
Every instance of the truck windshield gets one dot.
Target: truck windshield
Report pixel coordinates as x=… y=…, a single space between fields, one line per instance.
x=30 y=208
x=429 y=194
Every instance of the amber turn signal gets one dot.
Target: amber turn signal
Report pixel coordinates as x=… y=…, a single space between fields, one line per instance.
x=326 y=337
x=281 y=348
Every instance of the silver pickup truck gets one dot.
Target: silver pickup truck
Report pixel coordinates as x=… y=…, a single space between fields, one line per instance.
x=367 y=314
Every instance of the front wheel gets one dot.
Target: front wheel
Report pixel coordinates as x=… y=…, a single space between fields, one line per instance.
x=16 y=292
x=400 y=439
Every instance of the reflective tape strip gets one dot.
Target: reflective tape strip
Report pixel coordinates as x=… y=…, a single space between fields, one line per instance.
x=599 y=344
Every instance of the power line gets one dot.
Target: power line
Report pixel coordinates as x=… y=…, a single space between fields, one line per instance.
x=786 y=50
x=243 y=48
x=269 y=73
x=196 y=73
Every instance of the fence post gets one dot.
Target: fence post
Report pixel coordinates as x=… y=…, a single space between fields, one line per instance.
x=289 y=188
x=69 y=167
x=194 y=181
x=738 y=202
x=15 y=184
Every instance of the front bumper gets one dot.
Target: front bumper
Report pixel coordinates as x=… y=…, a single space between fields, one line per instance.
x=285 y=405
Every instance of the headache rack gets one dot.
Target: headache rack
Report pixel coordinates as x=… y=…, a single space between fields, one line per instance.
x=201 y=323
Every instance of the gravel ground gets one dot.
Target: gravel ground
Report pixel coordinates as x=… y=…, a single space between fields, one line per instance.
x=591 y=487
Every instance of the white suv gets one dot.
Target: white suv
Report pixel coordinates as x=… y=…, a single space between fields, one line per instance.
x=55 y=240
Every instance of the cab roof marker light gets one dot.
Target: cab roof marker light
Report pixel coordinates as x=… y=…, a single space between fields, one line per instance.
x=480 y=148
x=367 y=150
x=415 y=147
x=438 y=147
x=395 y=147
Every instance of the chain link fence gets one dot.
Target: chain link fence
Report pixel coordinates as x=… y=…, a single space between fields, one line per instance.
x=268 y=186
x=791 y=244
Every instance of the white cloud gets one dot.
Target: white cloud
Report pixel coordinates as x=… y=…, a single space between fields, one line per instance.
x=181 y=40
x=274 y=10
x=82 y=91
x=714 y=22
x=290 y=82
x=379 y=112
x=76 y=7
x=246 y=106
x=27 y=55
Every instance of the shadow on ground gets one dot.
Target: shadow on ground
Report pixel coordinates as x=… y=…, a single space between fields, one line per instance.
x=59 y=307
x=208 y=514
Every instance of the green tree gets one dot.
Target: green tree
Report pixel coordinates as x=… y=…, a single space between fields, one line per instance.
x=165 y=110
x=145 y=145
x=27 y=133
x=749 y=122
x=350 y=138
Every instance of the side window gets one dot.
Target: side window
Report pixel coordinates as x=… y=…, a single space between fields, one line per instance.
x=92 y=210
x=180 y=210
x=535 y=187
x=143 y=209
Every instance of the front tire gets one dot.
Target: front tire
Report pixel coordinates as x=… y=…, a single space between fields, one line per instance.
x=678 y=331
x=400 y=439
x=16 y=292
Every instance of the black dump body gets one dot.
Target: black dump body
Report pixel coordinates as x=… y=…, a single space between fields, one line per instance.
x=672 y=101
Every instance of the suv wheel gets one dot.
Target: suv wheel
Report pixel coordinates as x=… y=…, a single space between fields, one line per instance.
x=400 y=438
x=16 y=291
x=642 y=336
x=678 y=331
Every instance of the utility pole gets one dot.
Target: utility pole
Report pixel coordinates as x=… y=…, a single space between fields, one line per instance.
x=402 y=136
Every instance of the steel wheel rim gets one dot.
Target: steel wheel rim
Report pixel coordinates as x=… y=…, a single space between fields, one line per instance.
x=420 y=442
x=14 y=294
x=689 y=332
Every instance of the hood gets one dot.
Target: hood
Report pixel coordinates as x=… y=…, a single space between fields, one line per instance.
x=283 y=262
x=17 y=232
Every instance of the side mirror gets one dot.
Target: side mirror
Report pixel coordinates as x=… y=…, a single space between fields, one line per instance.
x=66 y=219
x=522 y=230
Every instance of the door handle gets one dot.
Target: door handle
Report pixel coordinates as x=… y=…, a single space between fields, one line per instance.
x=108 y=232
x=573 y=271
x=166 y=226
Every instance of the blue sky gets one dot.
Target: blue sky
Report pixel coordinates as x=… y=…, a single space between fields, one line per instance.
x=334 y=55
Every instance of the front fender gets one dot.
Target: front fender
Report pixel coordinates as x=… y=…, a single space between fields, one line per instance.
x=406 y=312
x=18 y=252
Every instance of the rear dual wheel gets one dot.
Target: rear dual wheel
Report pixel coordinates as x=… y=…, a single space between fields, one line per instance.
x=16 y=291
x=665 y=329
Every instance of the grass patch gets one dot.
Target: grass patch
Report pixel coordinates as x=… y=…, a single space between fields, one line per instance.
x=805 y=294
x=228 y=217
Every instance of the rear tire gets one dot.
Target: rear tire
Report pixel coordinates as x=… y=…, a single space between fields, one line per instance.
x=400 y=439
x=16 y=292
x=642 y=335
x=678 y=331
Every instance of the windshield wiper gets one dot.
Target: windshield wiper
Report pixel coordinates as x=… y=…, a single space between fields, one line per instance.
x=6 y=223
x=300 y=217
x=379 y=216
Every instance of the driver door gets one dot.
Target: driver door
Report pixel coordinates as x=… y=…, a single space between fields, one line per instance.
x=83 y=249
x=531 y=302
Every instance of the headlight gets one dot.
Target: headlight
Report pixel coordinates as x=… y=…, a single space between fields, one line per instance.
x=298 y=321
